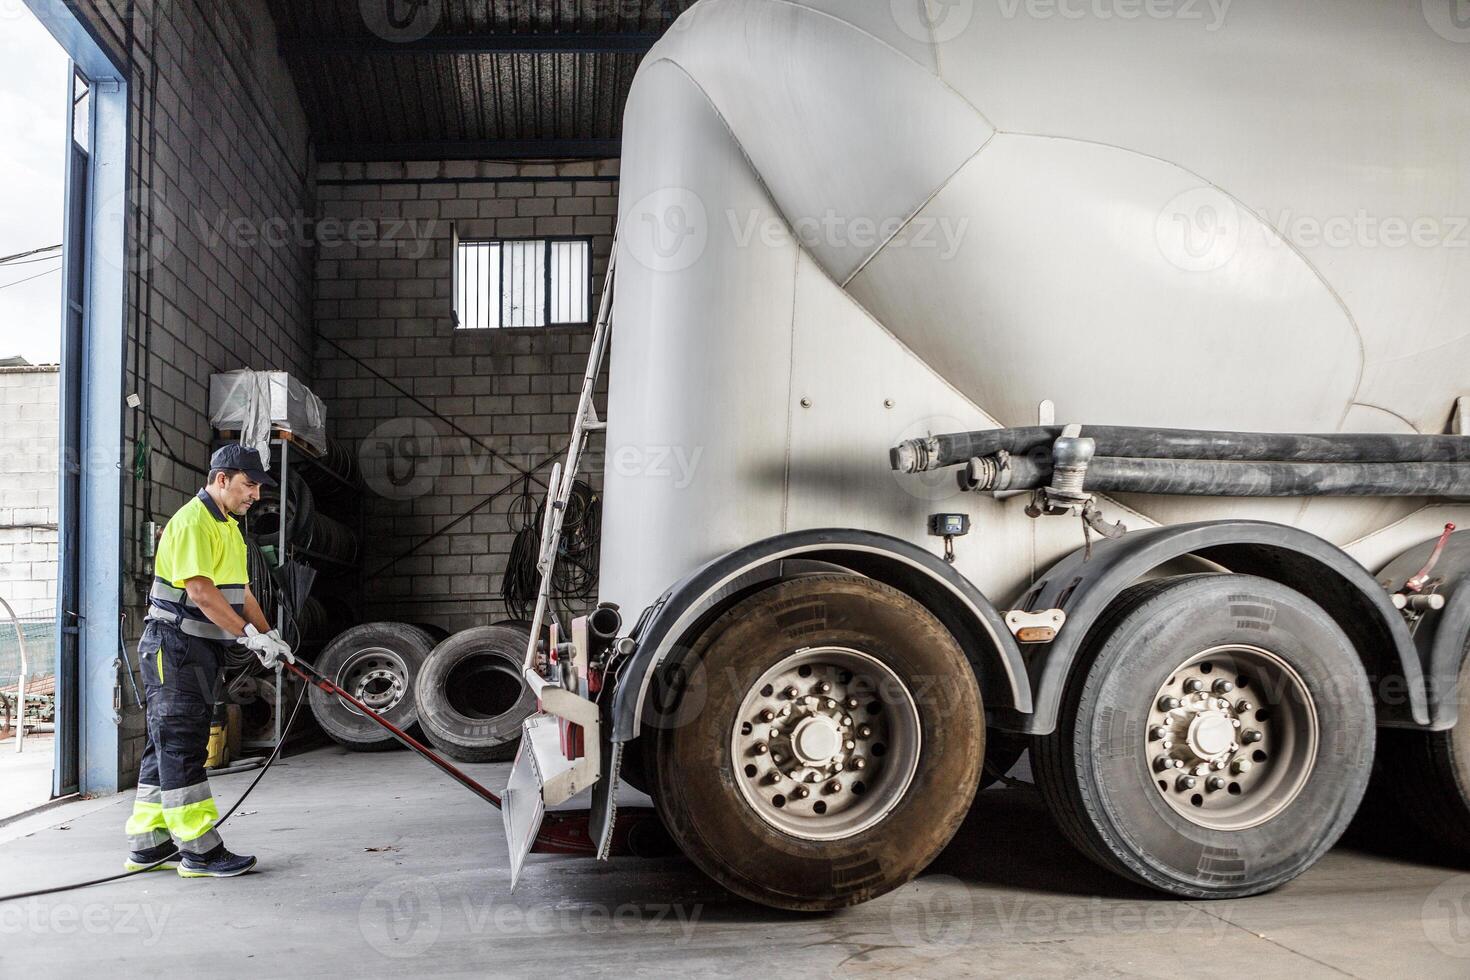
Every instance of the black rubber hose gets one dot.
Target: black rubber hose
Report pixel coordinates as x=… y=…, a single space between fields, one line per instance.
x=1129 y=442
x=1213 y=478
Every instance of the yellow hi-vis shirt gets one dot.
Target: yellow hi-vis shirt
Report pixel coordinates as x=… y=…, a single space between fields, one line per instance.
x=199 y=540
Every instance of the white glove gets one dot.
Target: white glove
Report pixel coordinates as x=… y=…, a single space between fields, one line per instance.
x=283 y=649
x=268 y=647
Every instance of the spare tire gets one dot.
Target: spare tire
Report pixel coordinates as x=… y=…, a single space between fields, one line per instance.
x=471 y=696
x=379 y=664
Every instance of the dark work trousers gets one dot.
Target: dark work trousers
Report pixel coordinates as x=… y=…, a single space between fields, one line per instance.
x=182 y=676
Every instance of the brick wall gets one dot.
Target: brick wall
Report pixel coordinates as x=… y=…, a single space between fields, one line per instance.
x=444 y=420
x=29 y=444
x=220 y=197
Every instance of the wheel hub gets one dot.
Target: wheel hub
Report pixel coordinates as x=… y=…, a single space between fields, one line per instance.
x=825 y=743
x=375 y=676
x=1217 y=756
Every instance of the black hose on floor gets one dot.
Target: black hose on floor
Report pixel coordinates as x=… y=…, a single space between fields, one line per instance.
x=275 y=754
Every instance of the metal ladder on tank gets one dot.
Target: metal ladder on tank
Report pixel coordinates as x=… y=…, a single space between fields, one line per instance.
x=564 y=475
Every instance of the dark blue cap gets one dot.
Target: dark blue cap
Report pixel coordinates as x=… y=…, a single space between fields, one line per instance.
x=237 y=457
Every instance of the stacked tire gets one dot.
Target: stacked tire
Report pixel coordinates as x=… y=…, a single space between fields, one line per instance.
x=471 y=698
x=379 y=664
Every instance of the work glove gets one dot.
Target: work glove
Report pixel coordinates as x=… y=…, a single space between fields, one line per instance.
x=268 y=647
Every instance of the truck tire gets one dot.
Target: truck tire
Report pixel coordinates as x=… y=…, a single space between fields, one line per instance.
x=866 y=706
x=1215 y=737
x=471 y=696
x=377 y=663
x=1424 y=777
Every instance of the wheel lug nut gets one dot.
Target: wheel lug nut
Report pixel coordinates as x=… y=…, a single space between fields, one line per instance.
x=1168 y=703
x=851 y=703
x=1241 y=766
x=1250 y=736
x=1215 y=783
x=768 y=715
x=1222 y=686
x=1222 y=704
x=1243 y=706
x=774 y=776
x=834 y=786
x=1163 y=763
x=823 y=687
x=864 y=731
x=792 y=692
x=849 y=745
x=1194 y=685
x=760 y=748
x=859 y=763
x=1217 y=765
x=1159 y=731
x=801 y=792
x=1184 y=782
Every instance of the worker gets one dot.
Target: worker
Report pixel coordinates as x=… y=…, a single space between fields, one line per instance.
x=200 y=602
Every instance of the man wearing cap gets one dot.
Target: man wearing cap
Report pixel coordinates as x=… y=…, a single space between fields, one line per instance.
x=200 y=602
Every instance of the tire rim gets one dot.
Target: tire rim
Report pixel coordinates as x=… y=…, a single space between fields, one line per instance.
x=1231 y=737
x=825 y=743
x=376 y=676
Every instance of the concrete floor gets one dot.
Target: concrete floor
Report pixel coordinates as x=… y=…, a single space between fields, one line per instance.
x=25 y=777
x=376 y=865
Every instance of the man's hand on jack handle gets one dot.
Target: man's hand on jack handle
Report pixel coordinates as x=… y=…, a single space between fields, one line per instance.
x=269 y=647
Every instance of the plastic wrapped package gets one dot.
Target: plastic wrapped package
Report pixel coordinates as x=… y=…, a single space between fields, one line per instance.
x=253 y=403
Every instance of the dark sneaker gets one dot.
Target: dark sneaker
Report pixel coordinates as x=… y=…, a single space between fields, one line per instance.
x=218 y=863
x=164 y=857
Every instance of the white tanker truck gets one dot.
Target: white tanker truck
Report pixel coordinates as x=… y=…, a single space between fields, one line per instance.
x=980 y=332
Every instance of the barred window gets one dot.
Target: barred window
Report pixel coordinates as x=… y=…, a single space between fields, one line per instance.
x=522 y=283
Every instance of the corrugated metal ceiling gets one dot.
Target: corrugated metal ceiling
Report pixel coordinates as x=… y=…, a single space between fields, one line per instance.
x=467 y=79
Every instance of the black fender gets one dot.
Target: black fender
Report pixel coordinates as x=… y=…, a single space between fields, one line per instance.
x=1443 y=635
x=1084 y=585
x=676 y=618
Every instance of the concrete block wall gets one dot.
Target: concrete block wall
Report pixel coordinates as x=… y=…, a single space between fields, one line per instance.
x=219 y=240
x=29 y=446
x=444 y=420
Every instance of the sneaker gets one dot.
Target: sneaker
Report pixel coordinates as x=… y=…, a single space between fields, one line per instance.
x=164 y=857
x=218 y=863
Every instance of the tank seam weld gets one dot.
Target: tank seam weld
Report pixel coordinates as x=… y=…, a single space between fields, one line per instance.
x=1316 y=273
x=944 y=185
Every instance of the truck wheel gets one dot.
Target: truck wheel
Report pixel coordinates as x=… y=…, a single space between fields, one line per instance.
x=832 y=748
x=377 y=663
x=1215 y=737
x=1425 y=777
x=471 y=696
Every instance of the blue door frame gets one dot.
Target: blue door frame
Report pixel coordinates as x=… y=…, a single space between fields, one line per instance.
x=91 y=466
